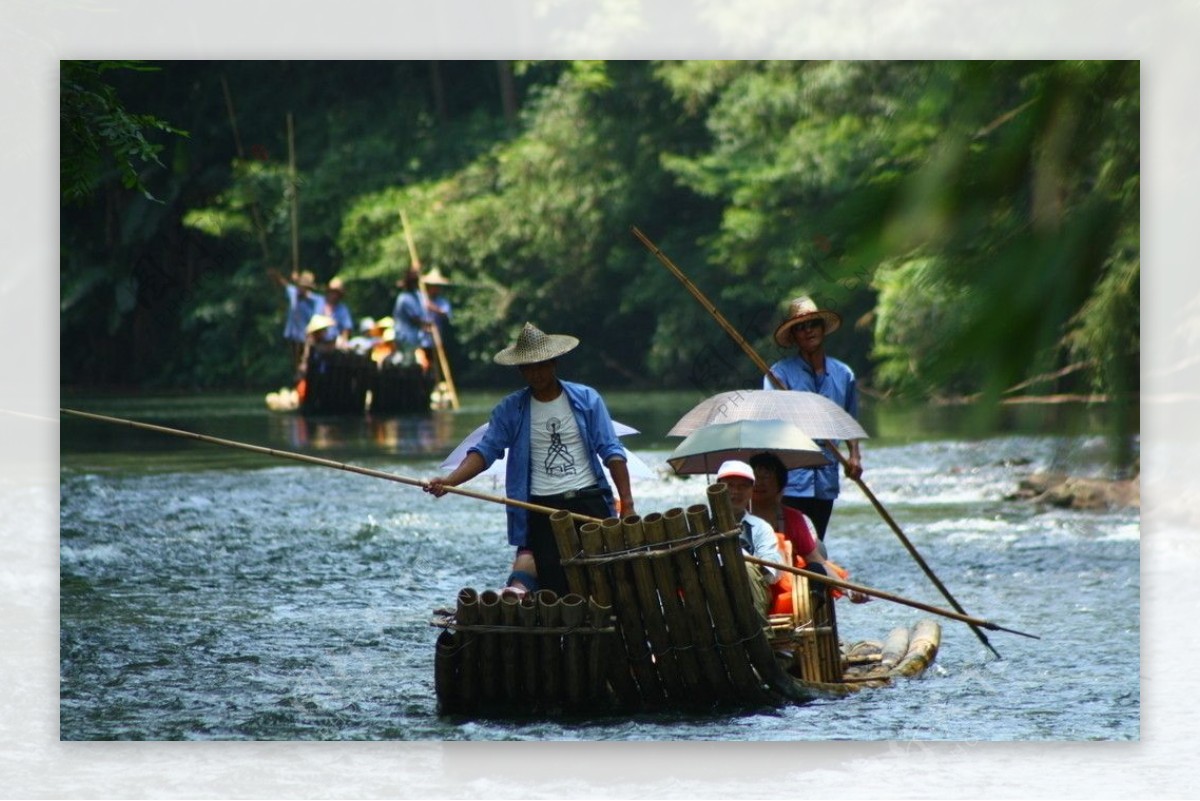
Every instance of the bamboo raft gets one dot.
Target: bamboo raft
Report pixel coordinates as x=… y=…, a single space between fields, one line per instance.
x=659 y=616
x=345 y=382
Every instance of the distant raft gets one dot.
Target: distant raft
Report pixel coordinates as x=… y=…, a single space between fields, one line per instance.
x=659 y=617
x=340 y=382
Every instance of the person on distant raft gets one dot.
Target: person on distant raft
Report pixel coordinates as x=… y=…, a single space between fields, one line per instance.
x=413 y=320
x=335 y=308
x=757 y=538
x=557 y=434
x=437 y=304
x=303 y=303
x=813 y=490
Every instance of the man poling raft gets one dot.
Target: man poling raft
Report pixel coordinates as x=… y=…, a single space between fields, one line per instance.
x=853 y=469
x=658 y=613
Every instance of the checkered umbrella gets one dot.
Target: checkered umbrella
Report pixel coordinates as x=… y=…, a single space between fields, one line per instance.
x=705 y=448
x=815 y=415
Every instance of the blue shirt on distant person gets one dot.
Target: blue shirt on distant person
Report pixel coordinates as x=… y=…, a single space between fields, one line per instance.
x=411 y=317
x=838 y=384
x=509 y=429
x=300 y=311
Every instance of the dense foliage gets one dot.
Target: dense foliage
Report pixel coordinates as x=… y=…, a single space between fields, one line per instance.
x=976 y=223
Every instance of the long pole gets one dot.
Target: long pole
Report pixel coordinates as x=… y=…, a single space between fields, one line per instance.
x=766 y=370
x=303 y=457
x=237 y=141
x=437 y=334
x=887 y=596
x=295 y=195
x=533 y=507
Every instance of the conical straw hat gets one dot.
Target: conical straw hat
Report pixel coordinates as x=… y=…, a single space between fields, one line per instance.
x=533 y=346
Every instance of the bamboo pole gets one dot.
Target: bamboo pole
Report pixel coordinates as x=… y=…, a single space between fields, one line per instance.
x=445 y=672
x=567 y=539
x=489 y=653
x=366 y=471
x=510 y=647
x=618 y=664
x=550 y=616
x=749 y=350
x=678 y=631
x=695 y=607
x=467 y=613
x=259 y=228
x=531 y=667
x=749 y=619
x=435 y=331
x=303 y=457
x=573 y=609
x=887 y=596
x=634 y=632
x=663 y=656
x=291 y=133
x=728 y=641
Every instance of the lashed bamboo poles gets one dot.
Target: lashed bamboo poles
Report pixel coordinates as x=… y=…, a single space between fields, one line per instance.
x=435 y=331
x=749 y=350
x=592 y=542
x=695 y=607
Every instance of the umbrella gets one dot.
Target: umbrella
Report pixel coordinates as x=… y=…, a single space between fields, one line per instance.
x=705 y=448
x=815 y=415
x=637 y=466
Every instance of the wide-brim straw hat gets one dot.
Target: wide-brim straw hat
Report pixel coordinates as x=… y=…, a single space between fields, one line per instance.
x=801 y=310
x=435 y=278
x=534 y=345
x=317 y=322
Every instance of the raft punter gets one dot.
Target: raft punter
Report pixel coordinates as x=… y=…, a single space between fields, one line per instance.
x=556 y=433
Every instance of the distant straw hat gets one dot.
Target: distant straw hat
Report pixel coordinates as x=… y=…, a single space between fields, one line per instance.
x=317 y=322
x=336 y=285
x=435 y=278
x=800 y=310
x=533 y=346
x=385 y=322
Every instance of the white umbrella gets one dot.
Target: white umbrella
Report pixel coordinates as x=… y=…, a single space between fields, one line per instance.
x=815 y=415
x=637 y=466
x=704 y=449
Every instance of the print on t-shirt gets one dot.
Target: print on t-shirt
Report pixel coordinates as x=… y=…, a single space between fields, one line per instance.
x=559 y=461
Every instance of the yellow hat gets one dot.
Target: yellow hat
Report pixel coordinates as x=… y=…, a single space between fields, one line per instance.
x=317 y=322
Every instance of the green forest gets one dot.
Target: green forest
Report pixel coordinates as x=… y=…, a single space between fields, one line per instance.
x=976 y=223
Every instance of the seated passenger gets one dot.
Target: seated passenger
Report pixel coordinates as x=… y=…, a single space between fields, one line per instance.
x=757 y=537
x=770 y=477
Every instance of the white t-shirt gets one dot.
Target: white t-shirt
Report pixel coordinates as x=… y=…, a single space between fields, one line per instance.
x=558 y=456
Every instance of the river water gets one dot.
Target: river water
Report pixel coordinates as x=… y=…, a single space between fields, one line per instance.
x=213 y=594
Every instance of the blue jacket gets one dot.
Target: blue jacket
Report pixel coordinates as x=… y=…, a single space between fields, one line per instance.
x=509 y=427
x=838 y=384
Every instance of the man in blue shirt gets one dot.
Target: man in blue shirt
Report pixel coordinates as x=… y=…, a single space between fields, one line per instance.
x=813 y=490
x=336 y=308
x=556 y=433
x=303 y=303
x=412 y=319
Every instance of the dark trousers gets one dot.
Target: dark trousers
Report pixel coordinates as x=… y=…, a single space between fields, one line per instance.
x=541 y=537
x=817 y=509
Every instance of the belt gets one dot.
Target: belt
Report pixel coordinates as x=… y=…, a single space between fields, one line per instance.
x=593 y=491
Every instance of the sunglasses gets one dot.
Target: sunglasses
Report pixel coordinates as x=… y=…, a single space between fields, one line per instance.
x=810 y=325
